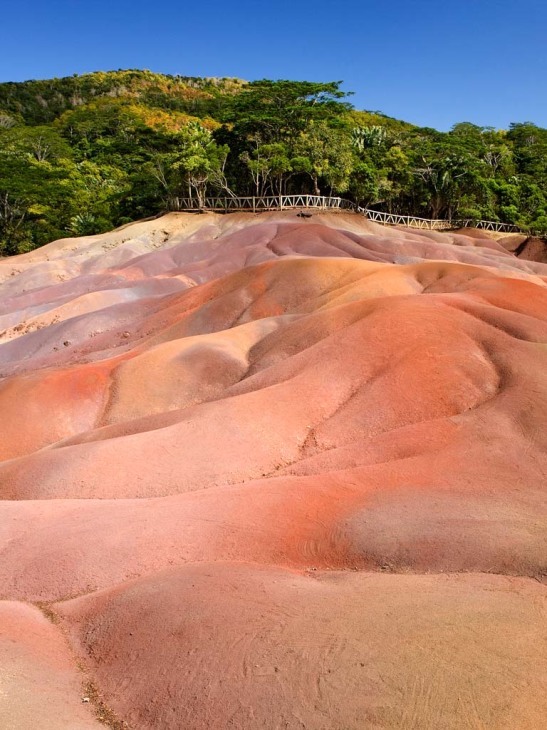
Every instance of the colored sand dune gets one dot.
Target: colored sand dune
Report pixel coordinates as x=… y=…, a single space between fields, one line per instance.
x=273 y=472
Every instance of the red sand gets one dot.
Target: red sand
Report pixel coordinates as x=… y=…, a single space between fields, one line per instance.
x=219 y=432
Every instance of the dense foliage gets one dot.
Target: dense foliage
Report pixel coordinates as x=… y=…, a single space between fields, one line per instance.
x=84 y=154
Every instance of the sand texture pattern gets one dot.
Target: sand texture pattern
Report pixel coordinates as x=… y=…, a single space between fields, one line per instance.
x=260 y=471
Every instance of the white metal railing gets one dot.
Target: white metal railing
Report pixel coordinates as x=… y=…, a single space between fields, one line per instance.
x=267 y=202
x=490 y=226
x=409 y=221
x=438 y=224
x=285 y=202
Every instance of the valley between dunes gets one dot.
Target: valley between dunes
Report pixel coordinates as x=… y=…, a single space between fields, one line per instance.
x=266 y=471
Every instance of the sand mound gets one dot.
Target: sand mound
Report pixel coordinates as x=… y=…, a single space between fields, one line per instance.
x=237 y=646
x=221 y=432
x=40 y=685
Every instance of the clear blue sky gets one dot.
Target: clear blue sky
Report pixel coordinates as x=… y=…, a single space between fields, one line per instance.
x=431 y=62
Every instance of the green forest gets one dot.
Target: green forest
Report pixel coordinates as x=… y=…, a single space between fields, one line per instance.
x=84 y=154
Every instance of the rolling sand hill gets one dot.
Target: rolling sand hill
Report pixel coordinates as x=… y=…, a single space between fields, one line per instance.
x=273 y=472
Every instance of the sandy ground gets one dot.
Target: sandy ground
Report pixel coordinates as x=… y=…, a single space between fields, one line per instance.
x=260 y=471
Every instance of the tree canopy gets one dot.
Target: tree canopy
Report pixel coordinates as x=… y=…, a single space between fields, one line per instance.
x=87 y=153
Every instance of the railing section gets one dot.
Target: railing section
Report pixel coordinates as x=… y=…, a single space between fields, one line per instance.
x=285 y=202
x=272 y=202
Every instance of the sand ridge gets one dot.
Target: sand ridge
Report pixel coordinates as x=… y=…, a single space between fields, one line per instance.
x=274 y=472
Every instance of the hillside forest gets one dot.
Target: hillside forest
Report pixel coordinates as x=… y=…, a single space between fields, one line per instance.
x=84 y=154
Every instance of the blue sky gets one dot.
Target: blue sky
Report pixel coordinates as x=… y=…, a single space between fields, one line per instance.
x=430 y=62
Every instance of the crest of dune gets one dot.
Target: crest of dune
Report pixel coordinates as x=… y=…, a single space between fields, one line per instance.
x=259 y=471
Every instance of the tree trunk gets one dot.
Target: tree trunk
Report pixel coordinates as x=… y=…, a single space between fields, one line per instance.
x=316 y=190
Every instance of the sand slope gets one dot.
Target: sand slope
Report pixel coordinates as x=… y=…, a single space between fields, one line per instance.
x=280 y=472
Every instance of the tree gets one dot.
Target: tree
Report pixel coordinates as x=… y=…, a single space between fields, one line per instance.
x=269 y=166
x=280 y=110
x=197 y=162
x=363 y=184
x=323 y=152
x=364 y=138
x=12 y=217
x=44 y=190
x=269 y=123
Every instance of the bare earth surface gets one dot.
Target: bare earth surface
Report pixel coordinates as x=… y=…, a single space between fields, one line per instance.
x=273 y=472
